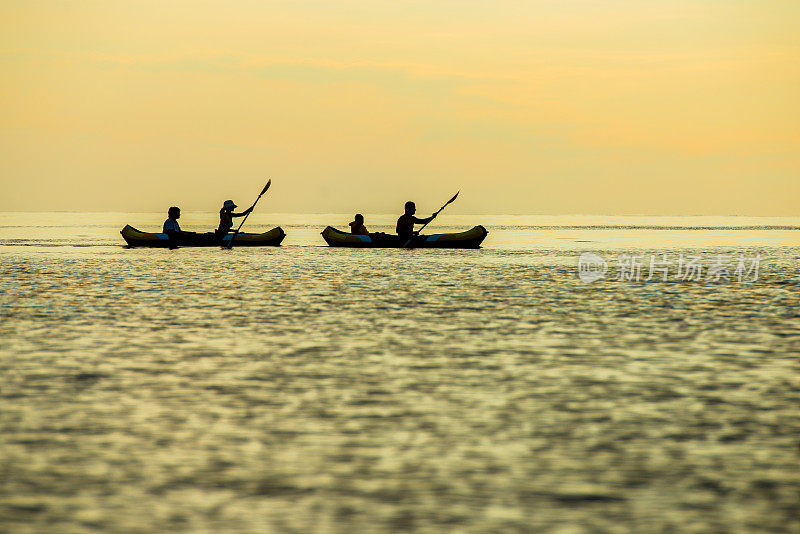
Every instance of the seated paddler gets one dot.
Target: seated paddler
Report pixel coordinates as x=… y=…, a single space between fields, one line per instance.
x=171 y=226
x=406 y=222
x=226 y=216
x=357 y=226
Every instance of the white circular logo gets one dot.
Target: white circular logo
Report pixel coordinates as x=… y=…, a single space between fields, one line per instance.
x=591 y=267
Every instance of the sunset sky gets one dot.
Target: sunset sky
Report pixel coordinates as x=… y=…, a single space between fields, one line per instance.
x=528 y=107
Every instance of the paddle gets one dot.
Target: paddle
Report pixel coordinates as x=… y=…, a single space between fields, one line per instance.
x=230 y=243
x=432 y=218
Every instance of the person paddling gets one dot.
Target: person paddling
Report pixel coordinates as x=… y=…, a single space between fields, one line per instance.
x=357 y=226
x=406 y=222
x=226 y=216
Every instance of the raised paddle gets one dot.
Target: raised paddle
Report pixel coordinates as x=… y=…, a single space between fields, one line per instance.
x=230 y=243
x=432 y=218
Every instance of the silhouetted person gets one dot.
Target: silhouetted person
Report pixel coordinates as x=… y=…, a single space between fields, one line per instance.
x=357 y=226
x=172 y=228
x=406 y=222
x=226 y=216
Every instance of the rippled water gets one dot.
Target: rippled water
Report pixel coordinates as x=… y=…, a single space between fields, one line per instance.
x=308 y=388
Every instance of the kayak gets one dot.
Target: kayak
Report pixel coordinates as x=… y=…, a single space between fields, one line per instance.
x=468 y=239
x=135 y=238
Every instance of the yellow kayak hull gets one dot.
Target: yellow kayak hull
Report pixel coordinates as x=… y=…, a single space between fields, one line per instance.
x=135 y=238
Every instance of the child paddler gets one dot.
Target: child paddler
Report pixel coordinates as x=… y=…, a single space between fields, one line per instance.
x=357 y=226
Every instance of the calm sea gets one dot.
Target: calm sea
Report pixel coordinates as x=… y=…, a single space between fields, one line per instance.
x=306 y=388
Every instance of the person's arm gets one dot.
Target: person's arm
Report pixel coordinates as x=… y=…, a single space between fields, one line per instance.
x=175 y=233
x=245 y=212
x=170 y=228
x=417 y=220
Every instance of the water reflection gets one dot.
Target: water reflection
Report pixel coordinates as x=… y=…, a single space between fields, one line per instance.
x=306 y=388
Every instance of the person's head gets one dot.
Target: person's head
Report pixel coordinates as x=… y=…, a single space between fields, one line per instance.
x=174 y=212
x=411 y=208
x=359 y=219
x=228 y=205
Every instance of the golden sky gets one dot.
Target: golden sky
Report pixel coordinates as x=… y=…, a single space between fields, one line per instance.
x=660 y=107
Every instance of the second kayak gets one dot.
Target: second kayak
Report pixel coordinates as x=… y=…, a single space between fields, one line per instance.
x=471 y=238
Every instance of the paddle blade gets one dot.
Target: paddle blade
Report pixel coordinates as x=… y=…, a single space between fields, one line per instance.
x=452 y=199
x=269 y=183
